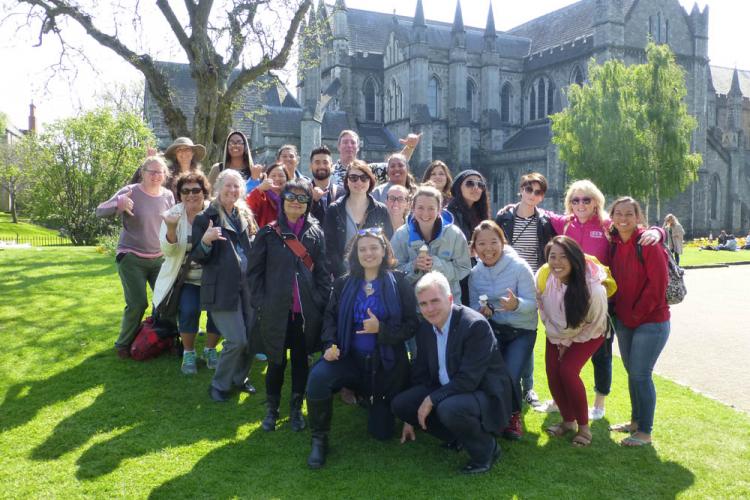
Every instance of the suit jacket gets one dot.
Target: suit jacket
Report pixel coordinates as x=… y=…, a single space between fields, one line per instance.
x=474 y=363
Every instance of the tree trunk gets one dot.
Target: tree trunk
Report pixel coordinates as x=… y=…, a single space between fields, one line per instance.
x=13 y=211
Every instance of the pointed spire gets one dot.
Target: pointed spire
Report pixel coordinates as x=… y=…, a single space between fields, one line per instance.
x=419 y=15
x=458 y=18
x=311 y=19
x=489 y=30
x=340 y=5
x=735 y=90
x=322 y=11
x=695 y=10
x=394 y=19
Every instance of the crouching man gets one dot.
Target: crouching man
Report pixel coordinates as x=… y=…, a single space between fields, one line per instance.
x=461 y=390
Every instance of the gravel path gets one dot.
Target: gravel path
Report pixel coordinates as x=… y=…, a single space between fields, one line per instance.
x=709 y=343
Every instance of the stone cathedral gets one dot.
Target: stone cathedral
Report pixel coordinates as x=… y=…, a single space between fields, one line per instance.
x=482 y=97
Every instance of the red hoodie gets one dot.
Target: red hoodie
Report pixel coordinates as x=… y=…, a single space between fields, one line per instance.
x=641 y=283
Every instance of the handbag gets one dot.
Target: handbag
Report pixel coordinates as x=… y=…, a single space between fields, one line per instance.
x=167 y=308
x=505 y=333
x=293 y=244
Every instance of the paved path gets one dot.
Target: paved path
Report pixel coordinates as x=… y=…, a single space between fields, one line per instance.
x=709 y=344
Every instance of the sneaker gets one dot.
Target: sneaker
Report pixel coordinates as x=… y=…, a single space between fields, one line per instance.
x=261 y=357
x=188 y=363
x=531 y=398
x=211 y=357
x=547 y=407
x=514 y=431
x=596 y=413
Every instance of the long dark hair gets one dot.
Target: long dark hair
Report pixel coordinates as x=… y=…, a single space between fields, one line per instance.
x=475 y=214
x=246 y=156
x=355 y=268
x=577 y=296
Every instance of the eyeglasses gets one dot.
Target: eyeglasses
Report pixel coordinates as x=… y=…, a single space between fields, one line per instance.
x=531 y=190
x=301 y=198
x=358 y=177
x=155 y=172
x=471 y=184
x=397 y=199
x=577 y=201
x=237 y=143
x=186 y=191
x=371 y=231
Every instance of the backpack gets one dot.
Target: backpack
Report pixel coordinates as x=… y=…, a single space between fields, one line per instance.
x=150 y=341
x=676 y=289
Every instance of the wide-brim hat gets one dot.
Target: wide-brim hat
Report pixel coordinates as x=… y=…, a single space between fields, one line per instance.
x=199 y=151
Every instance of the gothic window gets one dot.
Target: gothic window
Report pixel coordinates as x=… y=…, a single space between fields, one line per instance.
x=550 y=98
x=715 y=197
x=399 y=113
x=471 y=100
x=651 y=26
x=658 y=27
x=394 y=97
x=577 y=77
x=369 y=94
x=541 y=98
x=389 y=104
x=433 y=97
x=666 y=31
x=540 y=95
x=505 y=103
x=532 y=104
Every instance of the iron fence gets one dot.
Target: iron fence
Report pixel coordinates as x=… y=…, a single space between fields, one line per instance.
x=35 y=240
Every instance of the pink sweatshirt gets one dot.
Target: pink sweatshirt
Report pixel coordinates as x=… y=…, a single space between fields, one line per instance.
x=591 y=235
x=552 y=309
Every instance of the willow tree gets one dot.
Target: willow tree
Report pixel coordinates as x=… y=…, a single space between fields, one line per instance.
x=228 y=45
x=628 y=129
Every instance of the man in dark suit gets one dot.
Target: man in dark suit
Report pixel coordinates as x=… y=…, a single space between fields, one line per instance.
x=462 y=392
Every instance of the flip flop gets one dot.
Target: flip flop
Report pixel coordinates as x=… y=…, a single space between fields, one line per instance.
x=634 y=442
x=625 y=428
x=558 y=430
x=582 y=439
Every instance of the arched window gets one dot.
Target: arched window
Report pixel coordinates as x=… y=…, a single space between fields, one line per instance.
x=532 y=104
x=399 y=103
x=505 y=103
x=394 y=98
x=369 y=94
x=541 y=98
x=550 y=98
x=715 y=193
x=577 y=77
x=433 y=97
x=541 y=93
x=389 y=104
x=471 y=100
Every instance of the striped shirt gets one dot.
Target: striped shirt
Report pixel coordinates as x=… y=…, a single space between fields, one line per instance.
x=525 y=239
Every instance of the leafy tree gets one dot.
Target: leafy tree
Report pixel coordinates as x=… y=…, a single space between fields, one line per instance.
x=79 y=163
x=16 y=161
x=628 y=129
x=228 y=45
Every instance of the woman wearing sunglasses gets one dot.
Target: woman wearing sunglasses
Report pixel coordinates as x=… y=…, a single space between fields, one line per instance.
x=429 y=241
x=357 y=209
x=290 y=285
x=176 y=237
x=371 y=313
x=586 y=221
x=469 y=206
x=265 y=199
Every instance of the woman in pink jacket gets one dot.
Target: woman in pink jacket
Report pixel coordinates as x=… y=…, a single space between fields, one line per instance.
x=573 y=307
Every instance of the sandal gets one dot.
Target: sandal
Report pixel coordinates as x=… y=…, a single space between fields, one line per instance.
x=625 y=428
x=582 y=439
x=558 y=430
x=634 y=442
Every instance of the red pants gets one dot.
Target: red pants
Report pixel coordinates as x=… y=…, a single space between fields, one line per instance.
x=563 y=376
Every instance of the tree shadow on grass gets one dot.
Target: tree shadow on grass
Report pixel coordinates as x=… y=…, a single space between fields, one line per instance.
x=148 y=406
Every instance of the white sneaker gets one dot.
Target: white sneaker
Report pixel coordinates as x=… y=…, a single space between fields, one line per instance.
x=547 y=407
x=596 y=413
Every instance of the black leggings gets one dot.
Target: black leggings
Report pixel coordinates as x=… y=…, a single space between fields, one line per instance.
x=295 y=342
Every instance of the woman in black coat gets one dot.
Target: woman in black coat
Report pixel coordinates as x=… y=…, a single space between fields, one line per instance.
x=356 y=210
x=372 y=312
x=291 y=294
x=221 y=244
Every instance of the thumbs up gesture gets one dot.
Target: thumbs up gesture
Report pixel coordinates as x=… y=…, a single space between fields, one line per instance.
x=371 y=324
x=212 y=234
x=509 y=302
x=332 y=353
x=125 y=203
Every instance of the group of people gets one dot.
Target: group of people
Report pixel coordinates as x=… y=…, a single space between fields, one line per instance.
x=424 y=308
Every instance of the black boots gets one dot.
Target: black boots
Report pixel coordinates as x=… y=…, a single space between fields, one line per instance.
x=295 y=412
x=319 y=412
x=272 y=413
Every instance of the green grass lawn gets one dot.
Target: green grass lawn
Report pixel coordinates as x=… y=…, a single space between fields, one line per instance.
x=694 y=257
x=77 y=422
x=23 y=228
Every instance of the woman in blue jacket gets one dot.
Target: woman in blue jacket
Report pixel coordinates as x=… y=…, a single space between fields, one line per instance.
x=501 y=287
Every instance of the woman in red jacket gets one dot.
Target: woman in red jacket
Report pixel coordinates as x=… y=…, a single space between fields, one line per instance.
x=265 y=200
x=642 y=324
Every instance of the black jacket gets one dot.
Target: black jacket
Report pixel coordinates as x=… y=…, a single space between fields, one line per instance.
x=474 y=363
x=391 y=383
x=544 y=230
x=335 y=230
x=320 y=208
x=221 y=280
x=272 y=268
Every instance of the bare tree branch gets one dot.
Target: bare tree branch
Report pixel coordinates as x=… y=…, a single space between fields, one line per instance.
x=174 y=23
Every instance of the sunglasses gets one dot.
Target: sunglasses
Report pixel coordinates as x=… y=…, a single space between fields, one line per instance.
x=186 y=191
x=397 y=199
x=300 y=198
x=358 y=177
x=371 y=231
x=471 y=184
x=577 y=201
x=531 y=190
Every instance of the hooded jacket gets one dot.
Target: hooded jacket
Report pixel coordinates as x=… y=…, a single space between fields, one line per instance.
x=449 y=252
x=216 y=169
x=510 y=272
x=460 y=216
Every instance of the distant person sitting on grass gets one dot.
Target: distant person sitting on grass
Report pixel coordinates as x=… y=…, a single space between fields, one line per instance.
x=726 y=242
x=139 y=255
x=746 y=246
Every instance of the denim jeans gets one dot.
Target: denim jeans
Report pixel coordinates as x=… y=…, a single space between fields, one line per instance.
x=516 y=354
x=640 y=348
x=527 y=374
x=602 y=361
